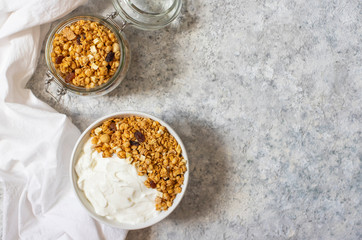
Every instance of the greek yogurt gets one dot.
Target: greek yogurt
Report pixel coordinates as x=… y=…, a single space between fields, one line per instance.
x=114 y=188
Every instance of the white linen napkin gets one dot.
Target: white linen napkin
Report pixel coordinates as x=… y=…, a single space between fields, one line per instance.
x=36 y=141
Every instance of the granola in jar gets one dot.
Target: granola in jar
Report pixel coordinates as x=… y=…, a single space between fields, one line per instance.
x=86 y=53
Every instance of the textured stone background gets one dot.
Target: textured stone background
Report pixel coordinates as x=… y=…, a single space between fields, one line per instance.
x=266 y=96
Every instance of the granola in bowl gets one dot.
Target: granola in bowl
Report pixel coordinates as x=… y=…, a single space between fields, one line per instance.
x=149 y=146
x=137 y=159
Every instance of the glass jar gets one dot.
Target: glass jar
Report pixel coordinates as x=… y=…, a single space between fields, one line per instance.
x=142 y=14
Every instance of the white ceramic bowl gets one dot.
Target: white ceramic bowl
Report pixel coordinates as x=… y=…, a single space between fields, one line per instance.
x=80 y=194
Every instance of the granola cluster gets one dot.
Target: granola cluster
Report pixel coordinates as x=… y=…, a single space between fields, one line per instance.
x=86 y=54
x=147 y=145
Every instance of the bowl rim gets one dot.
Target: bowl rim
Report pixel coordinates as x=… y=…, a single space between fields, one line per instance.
x=80 y=194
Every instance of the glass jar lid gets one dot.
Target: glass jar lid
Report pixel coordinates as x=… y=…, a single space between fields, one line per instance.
x=148 y=14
